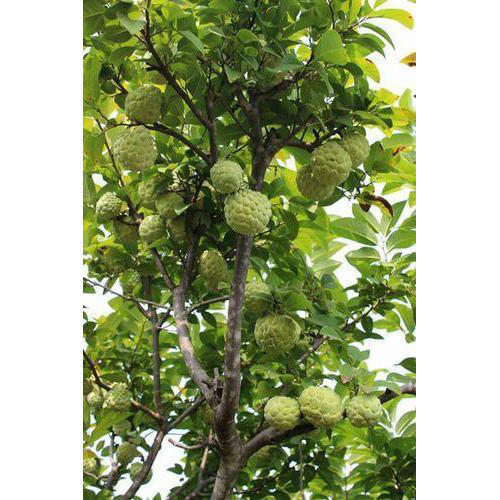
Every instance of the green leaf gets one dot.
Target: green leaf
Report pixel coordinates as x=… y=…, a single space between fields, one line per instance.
x=355 y=230
x=399 y=15
x=223 y=5
x=354 y=7
x=379 y=31
x=232 y=74
x=91 y=69
x=401 y=239
x=410 y=364
x=246 y=36
x=194 y=40
x=330 y=49
x=405 y=421
x=132 y=26
x=291 y=223
x=332 y=332
x=323 y=320
x=396 y=140
x=120 y=54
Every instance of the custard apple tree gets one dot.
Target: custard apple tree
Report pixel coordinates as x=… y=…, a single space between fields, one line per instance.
x=249 y=229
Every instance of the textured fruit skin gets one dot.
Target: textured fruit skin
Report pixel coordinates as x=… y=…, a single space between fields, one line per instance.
x=310 y=187
x=118 y=398
x=247 y=212
x=116 y=261
x=282 y=412
x=321 y=406
x=135 y=468
x=357 y=147
x=121 y=428
x=108 y=207
x=168 y=203
x=125 y=453
x=95 y=399
x=91 y=466
x=364 y=410
x=177 y=228
x=135 y=148
x=148 y=192
x=276 y=333
x=258 y=298
x=126 y=232
x=152 y=228
x=144 y=104
x=226 y=176
x=330 y=164
x=129 y=280
x=213 y=268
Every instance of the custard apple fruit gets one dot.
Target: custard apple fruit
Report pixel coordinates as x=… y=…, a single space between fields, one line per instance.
x=107 y=72
x=177 y=228
x=108 y=207
x=135 y=148
x=129 y=280
x=226 y=176
x=168 y=204
x=152 y=228
x=95 y=399
x=282 y=412
x=91 y=466
x=148 y=192
x=263 y=455
x=206 y=413
x=126 y=452
x=121 y=428
x=118 y=398
x=330 y=164
x=364 y=410
x=135 y=468
x=258 y=298
x=321 y=406
x=126 y=231
x=108 y=87
x=357 y=147
x=247 y=212
x=144 y=104
x=213 y=268
x=117 y=261
x=310 y=187
x=276 y=333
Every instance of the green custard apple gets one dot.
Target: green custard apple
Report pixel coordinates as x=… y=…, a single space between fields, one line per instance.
x=226 y=176
x=135 y=148
x=129 y=280
x=258 y=298
x=282 y=412
x=276 y=333
x=91 y=466
x=364 y=410
x=321 y=406
x=125 y=453
x=168 y=204
x=357 y=147
x=122 y=428
x=247 y=212
x=95 y=399
x=108 y=207
x=118 y=398
x=108 y=87
x=206 y=413
x=310 y=187
x=116 y=261
x=330 y=164
x=177 y=228
x=148 y=192
x=135 y=468
x=152 y=228
x=144 y=104
x=126 y=231
x=213 y=268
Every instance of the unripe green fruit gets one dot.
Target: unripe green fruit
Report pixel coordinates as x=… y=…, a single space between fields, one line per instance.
x=135 y=468
x=129 y=280
x=95 y=399
x=118 y=398
x=276 y=333
x=321 y=406
x=226 y=176
x=152 y=228
x=310 y=187
x=330 y=164
x=213 y=268
x=91 y=466
x=107 y=72
x=121 y=428
x=263 y=455
x=144 y=104
x=356 y=146
x=108 y=207
x=108 y=87
x=148 y=192
x=126 y=232
x=247 y=212
x=168 y=204
x=282 y=412
x=177 y=228
x=117 y=261
x=125 y=453
x=258 y=298
x=135 y=148
x=364 y=410
x=206 y=413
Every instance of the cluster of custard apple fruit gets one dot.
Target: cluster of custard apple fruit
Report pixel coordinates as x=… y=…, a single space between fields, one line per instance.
x=118 y=398
x=247 y=212
x=323 y=408
x=331 y=164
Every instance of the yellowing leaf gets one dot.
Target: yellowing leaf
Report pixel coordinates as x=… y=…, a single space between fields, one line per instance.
x=399 y=15
x=369 y=68
x=410 y=59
